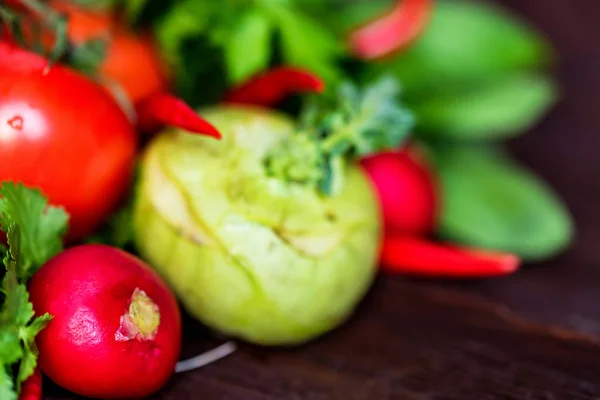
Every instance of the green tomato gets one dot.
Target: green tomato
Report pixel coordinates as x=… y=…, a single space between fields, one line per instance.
x=253 y=256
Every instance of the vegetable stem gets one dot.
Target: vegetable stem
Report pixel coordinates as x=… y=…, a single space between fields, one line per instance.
x=206 y=358
x=333 y=131
x=53 y=20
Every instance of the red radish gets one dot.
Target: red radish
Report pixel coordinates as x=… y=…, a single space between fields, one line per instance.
x=32 y=387
x=116 y=331
x=407 y=191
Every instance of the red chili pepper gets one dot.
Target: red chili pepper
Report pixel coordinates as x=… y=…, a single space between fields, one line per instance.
x=270 y=88
x=32 y=387
x=163 y=109
x=416 y=256
x=393 y=31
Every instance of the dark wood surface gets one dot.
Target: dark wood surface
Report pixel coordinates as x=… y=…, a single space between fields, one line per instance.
x=532 y=336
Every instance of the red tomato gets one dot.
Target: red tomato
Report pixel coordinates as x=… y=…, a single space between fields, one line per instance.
x=65 y=135
x=131 y=60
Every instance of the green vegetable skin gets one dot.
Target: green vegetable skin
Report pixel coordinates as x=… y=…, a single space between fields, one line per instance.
x=252 y=256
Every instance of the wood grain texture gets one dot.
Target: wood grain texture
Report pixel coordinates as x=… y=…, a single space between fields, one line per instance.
x=532 y=336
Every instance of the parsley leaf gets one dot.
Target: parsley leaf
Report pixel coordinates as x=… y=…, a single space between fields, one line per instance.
x=306 y=43
x=7 y=391
x=42 y=228
x=17 y=329
x=253 y=32
x=34 y=232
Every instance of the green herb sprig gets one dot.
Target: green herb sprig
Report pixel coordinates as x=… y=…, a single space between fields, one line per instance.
x=354 y=123
x=35 y=232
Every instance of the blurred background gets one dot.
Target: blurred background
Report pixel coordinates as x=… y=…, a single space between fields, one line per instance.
x=563 y=148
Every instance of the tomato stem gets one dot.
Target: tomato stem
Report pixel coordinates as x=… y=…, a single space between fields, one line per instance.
x=51 y=18
x=272 y=87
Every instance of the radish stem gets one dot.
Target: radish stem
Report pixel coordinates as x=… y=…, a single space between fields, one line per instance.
x=206 y=358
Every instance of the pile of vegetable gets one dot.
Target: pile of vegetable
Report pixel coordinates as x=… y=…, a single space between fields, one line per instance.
x=256 y=162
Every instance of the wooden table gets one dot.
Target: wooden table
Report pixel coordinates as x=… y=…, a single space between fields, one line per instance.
x=531 y=336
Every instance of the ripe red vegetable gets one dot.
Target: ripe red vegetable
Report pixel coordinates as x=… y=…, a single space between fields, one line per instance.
x=116 y=331
x=416 y=256
x=32 y=387
x=131 y=59
x=162 y=109
x=65 y=135
x=407 y=191
x=393 y=31
x=273 y=86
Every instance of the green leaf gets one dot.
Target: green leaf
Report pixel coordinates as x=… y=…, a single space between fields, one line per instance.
x=27 y=365
x=501 y=108
x=10 y=346
x=37 y=326
x=342 y=16
x=133 y=8
x=183 y=21
x=466 y=42
x=248 y=49
x=16 y=309
x=27 y=335
x=88 y=56
x=491 y=202
x=305 y=43
x=34 y=232
x=7 y=390
x=118 y=230
x=42 y=227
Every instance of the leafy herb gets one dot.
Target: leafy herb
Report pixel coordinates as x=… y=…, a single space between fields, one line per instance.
x=502 y=108
x=34 y=231
x=354 y=123
x=248 y=36
x=41 y=227
x=493 y=203
x=477 y=72
x=468 y=42
x=341 y=16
